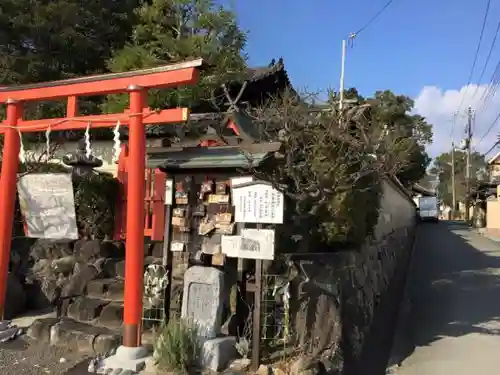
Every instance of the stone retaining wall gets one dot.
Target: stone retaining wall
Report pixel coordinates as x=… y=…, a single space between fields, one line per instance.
x=49 y=273
x=343 y=304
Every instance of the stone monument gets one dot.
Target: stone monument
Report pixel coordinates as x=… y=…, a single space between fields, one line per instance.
x=203 y=304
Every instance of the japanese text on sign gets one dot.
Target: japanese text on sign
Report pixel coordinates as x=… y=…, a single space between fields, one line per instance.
x=258 y=202
x=251 y=244
x=48 y=205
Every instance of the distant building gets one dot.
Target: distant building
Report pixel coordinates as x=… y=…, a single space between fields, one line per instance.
x=494 y=168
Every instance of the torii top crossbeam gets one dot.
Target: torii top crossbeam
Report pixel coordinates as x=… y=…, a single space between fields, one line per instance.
x=185 y=73
x=136 y=83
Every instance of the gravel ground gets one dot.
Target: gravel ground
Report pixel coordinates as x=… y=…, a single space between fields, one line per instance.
x=25 y=357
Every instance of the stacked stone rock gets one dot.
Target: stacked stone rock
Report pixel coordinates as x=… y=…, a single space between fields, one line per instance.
x=84 y=281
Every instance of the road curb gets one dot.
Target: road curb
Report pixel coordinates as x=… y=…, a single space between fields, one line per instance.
x=487 y=236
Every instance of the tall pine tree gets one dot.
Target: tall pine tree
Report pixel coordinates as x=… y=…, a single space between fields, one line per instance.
x=170 y=31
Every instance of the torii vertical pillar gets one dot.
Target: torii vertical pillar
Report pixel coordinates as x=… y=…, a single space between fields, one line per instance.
x=10 y=164
x=134 y=258
x=136 y=83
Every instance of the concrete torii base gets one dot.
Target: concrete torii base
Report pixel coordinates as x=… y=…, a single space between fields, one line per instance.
x=126 y=360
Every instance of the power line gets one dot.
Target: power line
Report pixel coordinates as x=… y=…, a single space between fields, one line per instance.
x=485 y=18
x=492 y=46
x=492 y=82
x=492 y=148
x=492 y=87
x=353 y=35
x=489 y=129
x=350 y=41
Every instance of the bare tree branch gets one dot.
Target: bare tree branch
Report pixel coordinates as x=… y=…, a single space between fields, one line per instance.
x=325 y=154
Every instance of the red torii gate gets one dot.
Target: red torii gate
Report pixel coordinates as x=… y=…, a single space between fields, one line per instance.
x=137 y=84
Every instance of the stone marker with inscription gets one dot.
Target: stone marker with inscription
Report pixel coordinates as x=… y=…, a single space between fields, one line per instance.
x=203 y=299
x=203 y=304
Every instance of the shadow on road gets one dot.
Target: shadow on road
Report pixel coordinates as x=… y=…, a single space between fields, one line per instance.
x=454 y=288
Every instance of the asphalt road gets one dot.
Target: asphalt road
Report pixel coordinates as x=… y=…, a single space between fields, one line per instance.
x=453 y=310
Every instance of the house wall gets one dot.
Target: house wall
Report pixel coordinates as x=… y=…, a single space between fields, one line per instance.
x=493 y=215
x=397 y=209
x=101 y=149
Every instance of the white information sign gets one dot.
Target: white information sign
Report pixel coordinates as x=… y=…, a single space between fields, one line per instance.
x=169 y=192
x=48 y=205
x=236 y=181
x=258 y=202
x=251 y=244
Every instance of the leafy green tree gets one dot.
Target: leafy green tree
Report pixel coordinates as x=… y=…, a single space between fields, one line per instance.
x=42 y=40
x=429 y=181
x=169 y=31
x=442 y=167
x=410 y=133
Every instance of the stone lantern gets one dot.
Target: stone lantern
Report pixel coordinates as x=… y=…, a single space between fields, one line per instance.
x=82 y=164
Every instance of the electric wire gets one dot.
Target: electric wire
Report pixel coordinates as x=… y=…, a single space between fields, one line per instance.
x=371 y=20
x=489 y=129
x=492 y=88
x=492 y=46
x=493 y=83
x=495 y=79
x=481 y=35
x=491 y=148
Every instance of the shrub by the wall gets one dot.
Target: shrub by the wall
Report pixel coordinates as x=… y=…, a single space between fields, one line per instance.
x=95 y=204
x=352 y=215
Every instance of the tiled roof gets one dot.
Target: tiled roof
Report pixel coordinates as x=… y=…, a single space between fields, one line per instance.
x=262 y=72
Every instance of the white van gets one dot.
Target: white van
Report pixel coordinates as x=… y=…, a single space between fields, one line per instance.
x=428 y=208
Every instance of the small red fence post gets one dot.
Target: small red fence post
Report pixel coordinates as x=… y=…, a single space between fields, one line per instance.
x=158 y=203
x=154 y=200
x=121 y=200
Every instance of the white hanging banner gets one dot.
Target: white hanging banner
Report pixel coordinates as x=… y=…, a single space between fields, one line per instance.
x=48 y=205
x=251 y=244
x=258 y=202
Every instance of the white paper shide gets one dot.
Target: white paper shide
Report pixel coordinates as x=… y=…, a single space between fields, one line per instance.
x=258 y=202
x=48 y=205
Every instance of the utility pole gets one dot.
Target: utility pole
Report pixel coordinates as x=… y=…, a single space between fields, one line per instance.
x=342 y=72
x=453 y=191
x=468 y=167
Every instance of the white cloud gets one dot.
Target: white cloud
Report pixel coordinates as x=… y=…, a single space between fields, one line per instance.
x=439 y=107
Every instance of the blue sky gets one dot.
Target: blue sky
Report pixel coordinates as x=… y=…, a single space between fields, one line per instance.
x=423 y=49
x=411 y=45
